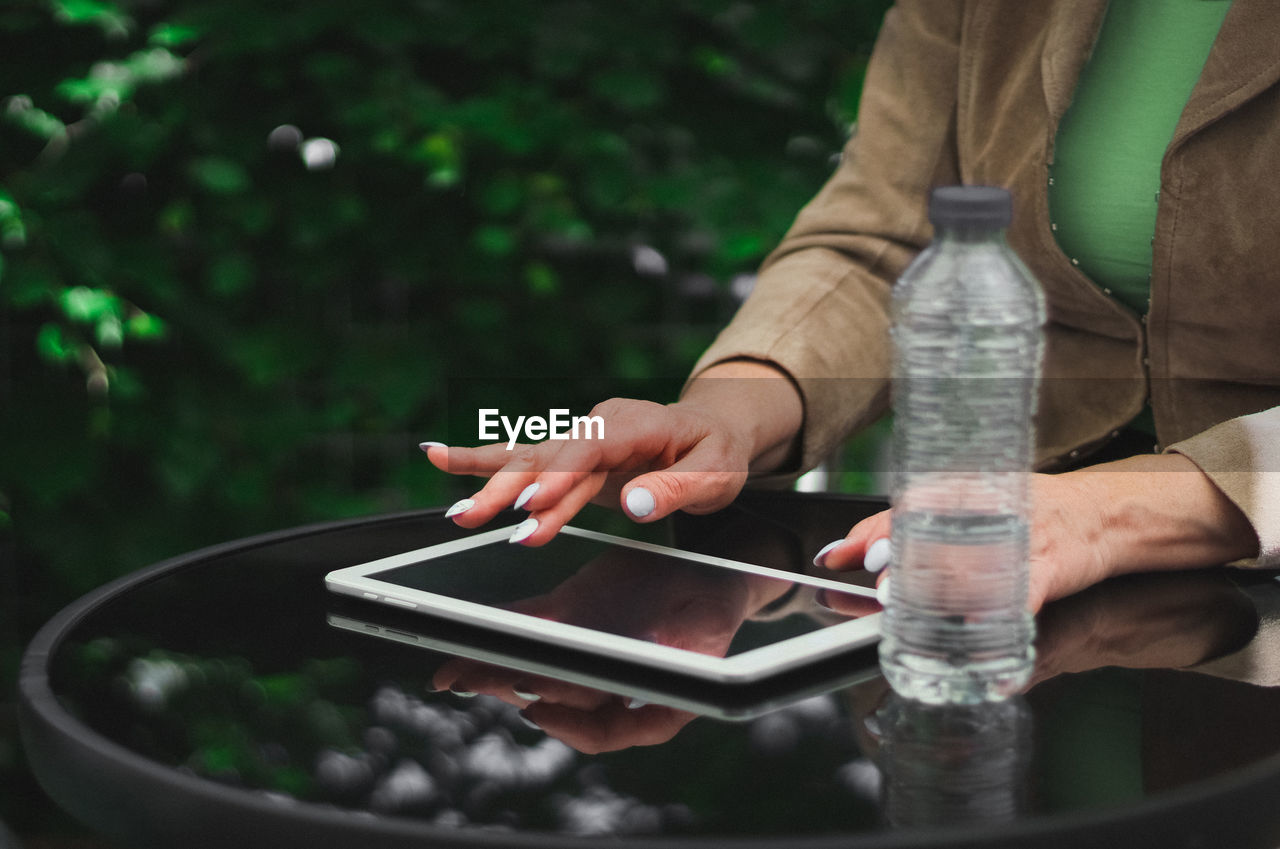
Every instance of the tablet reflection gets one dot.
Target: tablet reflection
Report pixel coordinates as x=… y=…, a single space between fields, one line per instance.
x=672 y=602
x=586 y=719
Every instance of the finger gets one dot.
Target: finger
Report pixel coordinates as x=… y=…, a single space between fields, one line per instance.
x=635 y=434
x=552 y=691
x=507 y=685
x=557 y=515
x=847 y=604
x=482 y=460
x=866 y=545
x=703 y=481
x=453 y=673
x=502 y=488
x=611 y=727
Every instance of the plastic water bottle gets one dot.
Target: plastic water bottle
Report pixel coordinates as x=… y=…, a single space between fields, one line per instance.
x=967 y=335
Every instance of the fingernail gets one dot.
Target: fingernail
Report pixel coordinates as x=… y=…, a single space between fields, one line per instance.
x=526 y=494
x=425 y=445
x=882 y=591
x=820 y=558
x=528 y=697
x=820 y=597
x=872 y=724
x=524 y=530
x=877 y=556
x=461 y=507
x=464 y=694
x=635 y=704
x=529 y=722
x=640 y=502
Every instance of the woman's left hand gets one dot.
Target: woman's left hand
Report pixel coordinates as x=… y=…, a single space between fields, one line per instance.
x=1144 y=513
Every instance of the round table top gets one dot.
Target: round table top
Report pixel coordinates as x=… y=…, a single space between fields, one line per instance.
x=216 y=699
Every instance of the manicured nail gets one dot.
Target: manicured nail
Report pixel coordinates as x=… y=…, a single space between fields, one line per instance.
x=877 y=556
x=872 y=724
x=461 y=507
x=526 y=494
x=524 y=530
x=425 y=445
x=820 y=598
x=882 y=591
x=640 y=502
x=528 y=697
x=635 y=704
x=464 y=694
x=819 y=559
x=529 y=722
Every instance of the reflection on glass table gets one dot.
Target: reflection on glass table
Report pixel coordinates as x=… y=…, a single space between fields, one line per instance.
x=1144 y=717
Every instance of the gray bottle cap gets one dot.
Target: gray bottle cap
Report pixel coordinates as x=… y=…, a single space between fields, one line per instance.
x=970 y=206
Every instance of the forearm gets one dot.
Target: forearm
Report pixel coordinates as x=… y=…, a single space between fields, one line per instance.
x=756 y=400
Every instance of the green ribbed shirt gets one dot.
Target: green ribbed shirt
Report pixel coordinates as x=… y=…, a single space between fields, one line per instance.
x=1106 y=170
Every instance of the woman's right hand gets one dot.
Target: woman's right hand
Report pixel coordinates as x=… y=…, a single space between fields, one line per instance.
x=653 y=459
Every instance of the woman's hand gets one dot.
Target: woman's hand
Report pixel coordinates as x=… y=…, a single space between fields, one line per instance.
x=1145 y=513
x=693 y=455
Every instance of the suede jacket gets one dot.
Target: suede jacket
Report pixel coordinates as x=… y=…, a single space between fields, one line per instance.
x=972 y=92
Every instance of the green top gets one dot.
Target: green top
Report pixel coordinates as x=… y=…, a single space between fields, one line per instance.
x=1106 y=173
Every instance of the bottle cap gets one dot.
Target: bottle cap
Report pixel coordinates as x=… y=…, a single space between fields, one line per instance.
x=970 y=206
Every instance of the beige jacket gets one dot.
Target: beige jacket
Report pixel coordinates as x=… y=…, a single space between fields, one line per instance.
x=972 y=92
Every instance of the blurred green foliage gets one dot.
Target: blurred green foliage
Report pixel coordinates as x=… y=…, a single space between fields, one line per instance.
x=252 y=253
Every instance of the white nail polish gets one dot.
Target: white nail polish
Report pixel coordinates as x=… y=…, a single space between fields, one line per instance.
x=524 y=530
x=882 y=592
x=461 y=507
x=464 y=694
x=425 y=445
x=526 y=494
x=640 y=502
x=635 y=704
x=826 y=549
x=528 y=697
x=877 y=556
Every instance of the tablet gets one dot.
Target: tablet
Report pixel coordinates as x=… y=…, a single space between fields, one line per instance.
x=731 y=703
x=678 y=611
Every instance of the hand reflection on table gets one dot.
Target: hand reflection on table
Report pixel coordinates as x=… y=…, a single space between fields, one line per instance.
x=1151 y=621
x=625 y=592
x=949 y=765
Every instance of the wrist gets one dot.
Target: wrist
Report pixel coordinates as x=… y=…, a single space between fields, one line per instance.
x=754 y=402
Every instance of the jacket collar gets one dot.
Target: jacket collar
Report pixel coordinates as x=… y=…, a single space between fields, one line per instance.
x=1244 y=61
x=1073 y=28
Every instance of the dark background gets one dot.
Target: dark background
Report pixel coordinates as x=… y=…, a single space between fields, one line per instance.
x=252 y=253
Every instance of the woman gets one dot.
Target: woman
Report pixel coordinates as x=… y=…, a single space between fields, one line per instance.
x=982 y=92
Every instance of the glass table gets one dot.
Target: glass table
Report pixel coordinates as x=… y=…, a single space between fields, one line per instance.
x=226 y=698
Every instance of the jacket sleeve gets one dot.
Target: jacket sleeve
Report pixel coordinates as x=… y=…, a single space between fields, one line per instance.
x=819 y=309
x=1242 y=458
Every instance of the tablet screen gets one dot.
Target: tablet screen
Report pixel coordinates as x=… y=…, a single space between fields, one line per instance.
x=616 y=589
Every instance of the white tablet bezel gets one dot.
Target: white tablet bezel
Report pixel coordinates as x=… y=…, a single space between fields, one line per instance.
x=359 y=581
x=600 y=680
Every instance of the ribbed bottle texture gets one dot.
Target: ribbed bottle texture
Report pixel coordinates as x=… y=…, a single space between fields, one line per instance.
x=967 y=336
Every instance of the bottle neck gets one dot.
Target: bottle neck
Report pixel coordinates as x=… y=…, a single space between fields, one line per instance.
x=967 y=234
